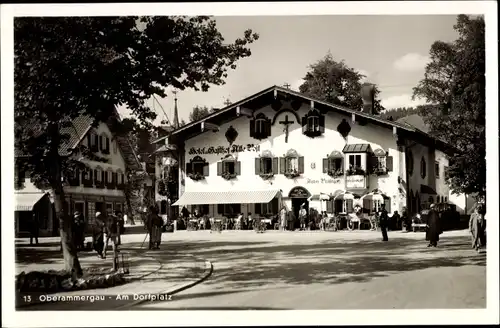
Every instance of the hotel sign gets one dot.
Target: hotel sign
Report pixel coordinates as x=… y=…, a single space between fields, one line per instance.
x=217 y=150
x=355 y=182
x=322 y=180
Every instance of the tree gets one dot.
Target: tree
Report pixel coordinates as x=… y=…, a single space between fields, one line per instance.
x=336 y=83
x=454 y=83
x=200 y=112
x=182 y=122
x=66 y=67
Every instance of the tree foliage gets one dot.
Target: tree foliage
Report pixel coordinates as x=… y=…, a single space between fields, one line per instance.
x=336 y=83
x=200 y=112
x=454 y=83
x=400 y=112
x=66 y=67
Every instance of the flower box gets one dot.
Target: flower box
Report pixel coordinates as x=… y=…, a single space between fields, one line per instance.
x=266 y=176
x=196 y=176
x=228 y=176
x=336 y=173
x=356 y=171
x=292 y=174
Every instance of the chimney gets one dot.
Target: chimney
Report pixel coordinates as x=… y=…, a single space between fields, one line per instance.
x=368 y=97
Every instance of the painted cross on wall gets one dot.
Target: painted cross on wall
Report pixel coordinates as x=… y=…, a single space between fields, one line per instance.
x=286 y=123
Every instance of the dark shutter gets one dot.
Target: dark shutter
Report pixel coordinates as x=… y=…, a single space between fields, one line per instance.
x=219 y=169
x=282 y=165
x=100 y=143
x=77 y=179
x=304 y=124
x=91 y=182
x=329 y=206
x=366 y=206
x=372 y=163
x=107 y=144
x=322 y=124
x=275 y=165
x=205 y=170
x=257 y=166
x=258 y=208
x=338 y=205
x=95 y=176
x=89 y=140
x=189 y=168
x=115 y=179
x=325 y=165
x=252 y=128
x=220 y=208
x=301 y=164
x=389 y=163
x=103 y=175
x=387 y=202
x=268 y=127
x=349 y=206
x=237 y=168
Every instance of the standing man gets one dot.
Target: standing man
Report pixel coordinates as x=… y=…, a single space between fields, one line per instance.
x=111 y=233
x=98 y=233
x=283 y=218
x=121 y=225
x=302 y=217
x=79 y=230
x=477 y=228
x=433 y=227
x=384 y=221
x=34 y=229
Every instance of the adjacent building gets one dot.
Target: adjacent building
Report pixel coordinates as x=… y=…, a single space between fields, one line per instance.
x=280 y=148
x=99 y=187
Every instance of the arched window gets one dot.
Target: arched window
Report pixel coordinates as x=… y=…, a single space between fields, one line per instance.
x=266 y=164
x=260 y=127
x=99 y=174
x=104 y=143
x=197 y=168
x=423 y=168
x=313 y=124
x=410 y=162
x=292 y=164
x=229 y=167
x=333 y=164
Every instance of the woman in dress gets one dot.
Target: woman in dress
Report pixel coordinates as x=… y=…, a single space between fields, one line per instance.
x=477 y=228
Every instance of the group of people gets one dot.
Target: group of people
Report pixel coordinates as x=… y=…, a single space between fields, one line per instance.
x=107 y=228
x=153 y=223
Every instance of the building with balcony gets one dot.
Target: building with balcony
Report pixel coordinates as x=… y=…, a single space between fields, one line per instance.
x=100 y=187
x=280 y=148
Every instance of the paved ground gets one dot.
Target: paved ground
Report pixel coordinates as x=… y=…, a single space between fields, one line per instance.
x=331 y=270
x=310 y=270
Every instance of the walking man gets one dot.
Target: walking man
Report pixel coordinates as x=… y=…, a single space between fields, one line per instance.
x=384 y=220
x=433 y=227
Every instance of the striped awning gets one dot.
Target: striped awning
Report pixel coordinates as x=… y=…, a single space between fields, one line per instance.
x=319 y=197
x=26 y=201
x=347 y=195
x=226 y=197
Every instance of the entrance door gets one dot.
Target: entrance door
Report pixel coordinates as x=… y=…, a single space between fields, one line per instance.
x=296 y=203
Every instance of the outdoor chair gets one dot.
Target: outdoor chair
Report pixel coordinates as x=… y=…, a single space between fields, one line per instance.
x=224 y=223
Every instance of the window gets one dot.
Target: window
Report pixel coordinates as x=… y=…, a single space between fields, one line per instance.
x=313 y=124
x=109 y=208
x=423 y=168
x=381 y=163
x=197 y=168
x=228 y=168
x=333 y=164
x=431 y=200
x=438 y=199
x=446 y=199
x=104 y=143
x=436 y=168
x=110 y=176
x=377 y=204
x=260 y=127
x=266 y=165
x=98 y=175
x=354 y=161
x=119 y=207
x=270 y=208
x=292 y=164
x=410 y=162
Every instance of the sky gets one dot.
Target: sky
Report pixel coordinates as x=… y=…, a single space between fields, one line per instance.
x=391 y=51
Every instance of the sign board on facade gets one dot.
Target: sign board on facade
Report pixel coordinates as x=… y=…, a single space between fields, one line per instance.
x=217 y=150
x=355 y=182
x=323 y=180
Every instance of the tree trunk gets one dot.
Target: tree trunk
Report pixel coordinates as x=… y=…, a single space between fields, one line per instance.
x=71 y=262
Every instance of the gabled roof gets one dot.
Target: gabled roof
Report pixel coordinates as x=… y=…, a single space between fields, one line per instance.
x=78 y=129
x=231 y=111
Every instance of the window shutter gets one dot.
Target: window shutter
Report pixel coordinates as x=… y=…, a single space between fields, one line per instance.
x=387 y=202
x=325 y=165
x=366 y=206
x=301 y=164
x=77 y=178
x=268 y=127
x=100 y=143
x=282 y=165
x=389 y=163
x=103 y=175
x=115 y=178
x=90 y=175
x=275 y=165
x=257 y=166
x=95 y=176
x=189 y=168
x=349 y=206
x=252 y=128
x=322 y=124
x=220 y=208
x=219 y=169
x=205 y=170
x=107 y=144
x=258 y=208
x=304 y=124
x=237 y=168
x=96 y=142
x=329 y=206
x=89 y=140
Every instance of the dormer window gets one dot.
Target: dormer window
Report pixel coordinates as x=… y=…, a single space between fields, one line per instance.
x=260 y=127
x=228 y=168
x=313 y=124
x=333 y=164
x=292 y=165
x=197 y=168
x=266 y=165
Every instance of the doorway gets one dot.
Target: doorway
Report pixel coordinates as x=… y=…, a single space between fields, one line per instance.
x=296 y=203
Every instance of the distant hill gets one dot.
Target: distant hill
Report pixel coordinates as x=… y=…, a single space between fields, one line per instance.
x=397 y=113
